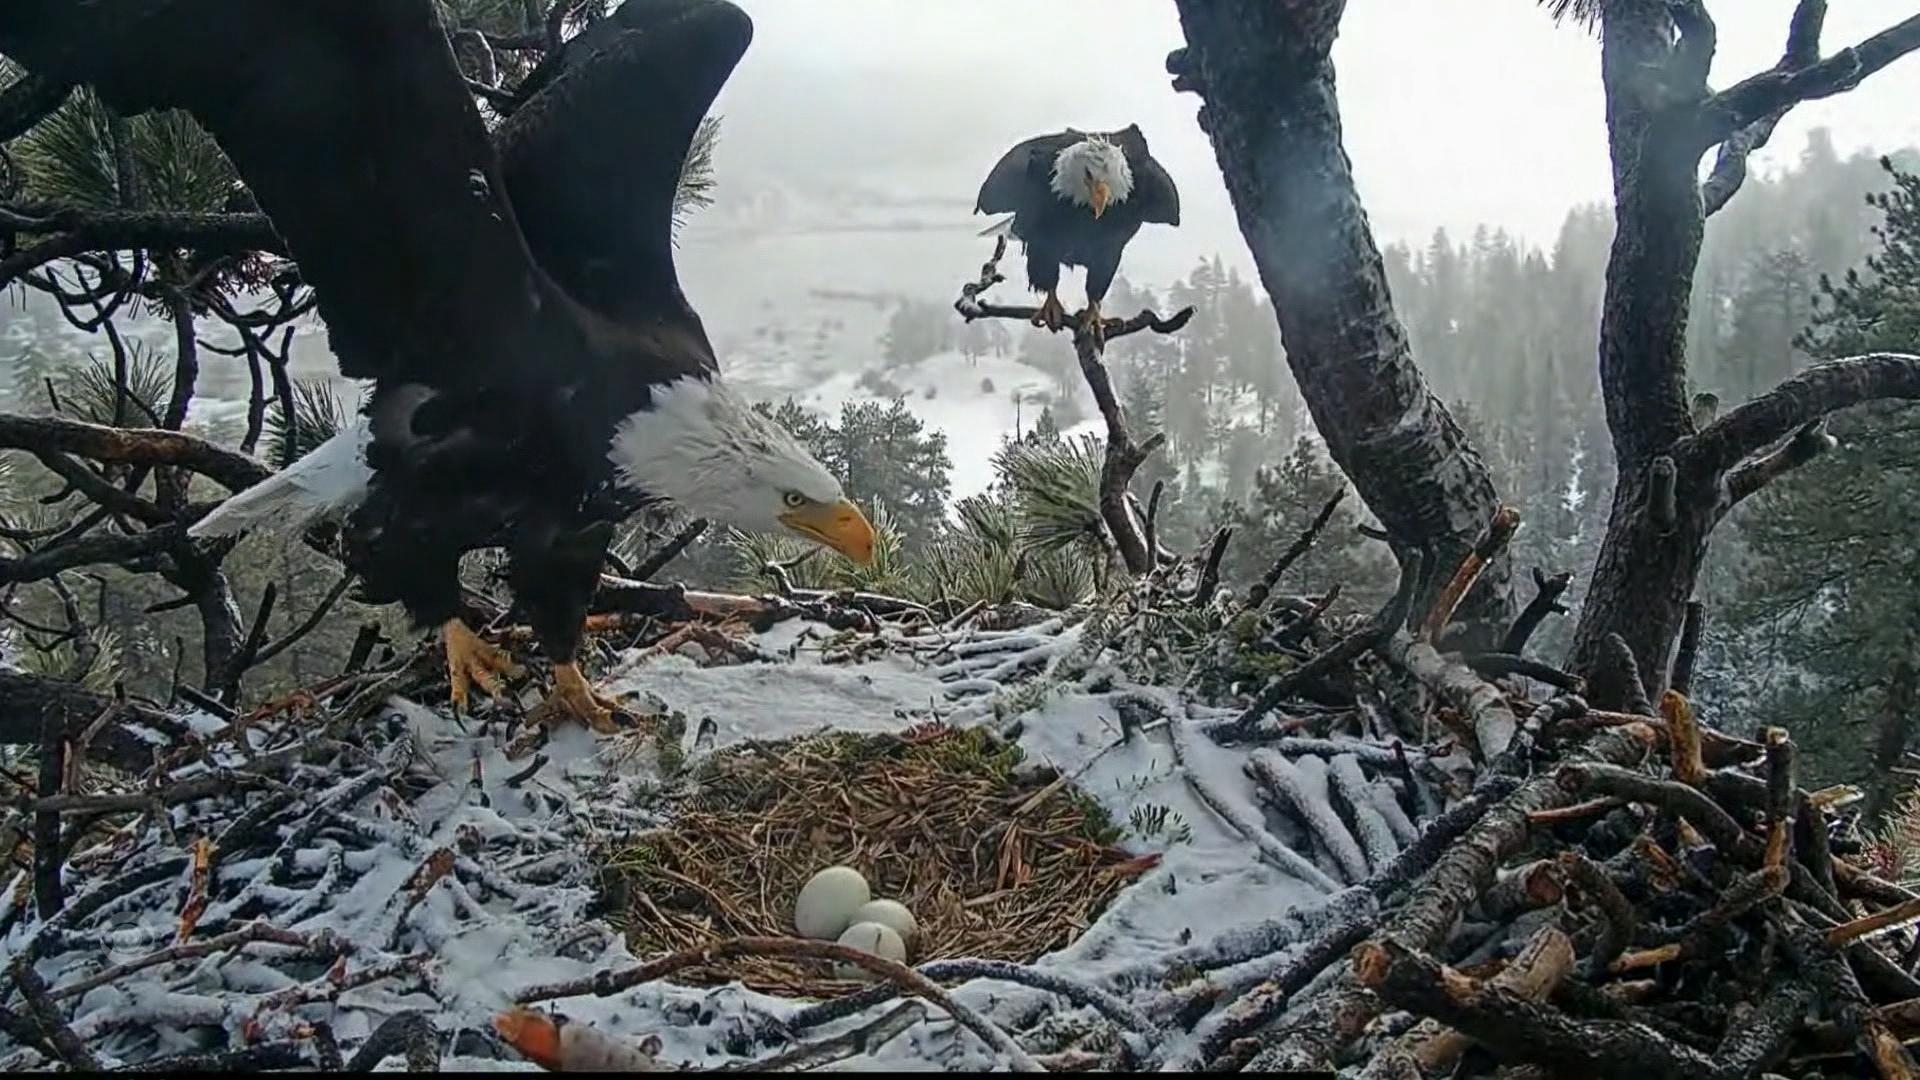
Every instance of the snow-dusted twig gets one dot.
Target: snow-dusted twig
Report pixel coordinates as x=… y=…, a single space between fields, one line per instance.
x=46 y=1016
x=861 y=1040
x=325 y=947
x=608 y=983
x=1284 y=781
x=1271 y=849
x=1370 y=826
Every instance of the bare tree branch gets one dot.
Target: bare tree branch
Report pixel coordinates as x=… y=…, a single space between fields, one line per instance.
x=71 y=232
x=1808 y=396
x=1808 y=443
x=1778 y=89
x=131 y=446
x=88 y=551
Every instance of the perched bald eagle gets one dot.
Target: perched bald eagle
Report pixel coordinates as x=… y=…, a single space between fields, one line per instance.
x=1076 y=200
x=536 y=370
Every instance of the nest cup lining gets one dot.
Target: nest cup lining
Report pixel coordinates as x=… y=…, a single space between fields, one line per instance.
x=993 y=864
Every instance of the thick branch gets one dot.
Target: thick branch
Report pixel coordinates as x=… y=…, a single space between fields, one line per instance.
x=1808 y=396
x=71 y=232
x=1776 y=89
x=1808 y=443
x=24 y=699
x=131 y=446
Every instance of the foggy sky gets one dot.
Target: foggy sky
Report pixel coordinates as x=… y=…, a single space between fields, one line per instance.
x=1456 y=111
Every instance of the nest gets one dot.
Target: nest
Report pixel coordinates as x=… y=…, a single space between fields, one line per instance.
x=994 y=863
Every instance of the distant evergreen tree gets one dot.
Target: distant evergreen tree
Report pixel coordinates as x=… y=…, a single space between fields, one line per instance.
x=1826 y=614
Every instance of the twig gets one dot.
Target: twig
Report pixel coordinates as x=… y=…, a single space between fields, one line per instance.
x=1272 y=850
x=861 y=1040
x=1210 y=570
x=658 y=561
x=1499 y=531
x=1257 y=595
x=324 y=946
x=48 y=895
x=1618 y=919
x=1500 y=665
x=1546 y=601
x=1683 y=734
x=43 y=1012
x=608 y=983
x=309 y=625
x=1780 y=796
x=1342 y=653
x=1689 y=651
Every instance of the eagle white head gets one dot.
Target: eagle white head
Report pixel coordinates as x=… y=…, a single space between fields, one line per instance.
x=1093 y=172
x=704 y=447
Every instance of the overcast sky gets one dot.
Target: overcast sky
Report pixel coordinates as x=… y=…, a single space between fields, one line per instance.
x=1456 y=111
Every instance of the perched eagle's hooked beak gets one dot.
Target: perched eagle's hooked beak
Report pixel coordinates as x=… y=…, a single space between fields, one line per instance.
x=1101 y=193
x=840 y=526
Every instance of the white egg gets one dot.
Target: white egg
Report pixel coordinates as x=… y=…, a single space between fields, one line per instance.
x=827 y=902
x=892 y=914
x=871 y=937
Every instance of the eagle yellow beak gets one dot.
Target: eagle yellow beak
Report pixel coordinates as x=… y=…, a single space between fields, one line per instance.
x=1101 y=194
x=840 y=526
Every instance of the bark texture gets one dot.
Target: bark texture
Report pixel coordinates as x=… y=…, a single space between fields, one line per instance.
x=1674 y=479
x=1266 y=80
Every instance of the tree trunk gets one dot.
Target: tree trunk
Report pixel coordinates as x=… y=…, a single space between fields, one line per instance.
x=1647 y=564
x=1266 y=78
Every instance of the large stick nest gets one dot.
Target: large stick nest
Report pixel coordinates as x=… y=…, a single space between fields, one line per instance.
x=995 y=862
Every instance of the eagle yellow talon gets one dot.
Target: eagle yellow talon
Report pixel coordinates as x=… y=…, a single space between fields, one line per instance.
x=1052 y=314
x=574 y=696
x=471 y=661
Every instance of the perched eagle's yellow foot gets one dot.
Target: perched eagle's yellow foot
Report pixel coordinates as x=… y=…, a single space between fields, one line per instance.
x=1092 y=323
x=574 y=696
x=1051 y=314
x=471 y=661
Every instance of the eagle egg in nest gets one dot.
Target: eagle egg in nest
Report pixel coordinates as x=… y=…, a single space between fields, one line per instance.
x=891 y=914
x=878 y=939
x=828 y=900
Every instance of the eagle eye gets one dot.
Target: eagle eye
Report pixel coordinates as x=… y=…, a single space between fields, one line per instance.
x=793 y=499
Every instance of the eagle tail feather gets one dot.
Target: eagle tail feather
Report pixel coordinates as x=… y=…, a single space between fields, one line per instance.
x=1003 y=227
x=331 y=479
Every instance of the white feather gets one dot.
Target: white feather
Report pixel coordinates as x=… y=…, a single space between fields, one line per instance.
x=1093 y=159
x=704 y=447
x=999 y=228
x=332 y=479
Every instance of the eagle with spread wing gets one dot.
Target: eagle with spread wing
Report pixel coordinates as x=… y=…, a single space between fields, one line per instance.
x=536 y=371
x=1077 y=199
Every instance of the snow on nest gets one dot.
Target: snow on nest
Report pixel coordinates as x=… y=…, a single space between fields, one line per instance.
x=485 y=950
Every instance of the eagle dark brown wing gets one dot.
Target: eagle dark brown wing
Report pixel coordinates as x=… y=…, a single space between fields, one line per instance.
x=1019 y=180
x=593 y=159
x=1157 y=197
x=353 y=129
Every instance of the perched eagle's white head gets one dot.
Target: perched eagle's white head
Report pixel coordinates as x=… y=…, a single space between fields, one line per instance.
x=1093 y=172
x=704 y=447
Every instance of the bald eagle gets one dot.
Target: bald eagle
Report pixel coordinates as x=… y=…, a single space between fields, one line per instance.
x=1076 y=200
x=536 y=371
